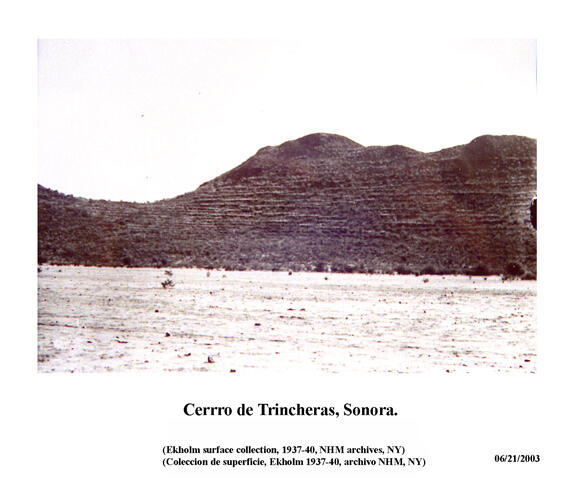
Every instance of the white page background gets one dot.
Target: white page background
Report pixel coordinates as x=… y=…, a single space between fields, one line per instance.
x=91 y=427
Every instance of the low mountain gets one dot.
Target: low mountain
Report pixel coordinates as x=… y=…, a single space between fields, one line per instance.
x=322 y=202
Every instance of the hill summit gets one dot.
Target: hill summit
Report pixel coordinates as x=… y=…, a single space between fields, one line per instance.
x=322 y=202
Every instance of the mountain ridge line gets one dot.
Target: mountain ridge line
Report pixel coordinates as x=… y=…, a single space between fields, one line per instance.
x=321 y=202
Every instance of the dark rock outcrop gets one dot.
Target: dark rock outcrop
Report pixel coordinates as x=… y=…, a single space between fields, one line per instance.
x=322 y=202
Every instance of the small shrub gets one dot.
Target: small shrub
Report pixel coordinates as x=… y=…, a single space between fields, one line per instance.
x=479 y=270
x=162 y=262
x=167 y=283
x=514 y=270
x=321 y=267
x=403 y=270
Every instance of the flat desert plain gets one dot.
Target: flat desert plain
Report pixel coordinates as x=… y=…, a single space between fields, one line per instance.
x=121 y=319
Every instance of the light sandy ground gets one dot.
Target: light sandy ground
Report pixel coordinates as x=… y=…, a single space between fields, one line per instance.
x=117 y=319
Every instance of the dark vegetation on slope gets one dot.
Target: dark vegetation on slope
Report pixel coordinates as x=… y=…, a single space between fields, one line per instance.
x=325 y=203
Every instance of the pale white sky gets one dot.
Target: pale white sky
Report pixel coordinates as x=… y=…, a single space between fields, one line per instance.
x=142 y=120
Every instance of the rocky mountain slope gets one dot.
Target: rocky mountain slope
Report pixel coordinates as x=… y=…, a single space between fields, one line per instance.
x=322 y=202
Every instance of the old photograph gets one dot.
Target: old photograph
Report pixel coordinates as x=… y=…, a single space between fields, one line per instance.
x=251 y=206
